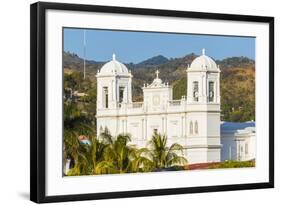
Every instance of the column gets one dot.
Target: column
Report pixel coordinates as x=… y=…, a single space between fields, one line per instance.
x=99 y=96
x=163 y=128
x=204 y=85
x=123 y=126
x=126 y=131
x=145 y=128
x=218 y=88
x=127 y=94
x=117 y=126
x=185 y=125
x=130 y=90
x=201 y=92
x=111 y=92
x=182 y=117
x=166 y=124
x=142 y=128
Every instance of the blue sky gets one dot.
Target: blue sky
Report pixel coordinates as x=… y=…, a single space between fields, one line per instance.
x=138 y=46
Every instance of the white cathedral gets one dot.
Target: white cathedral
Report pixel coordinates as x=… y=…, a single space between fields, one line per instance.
x=193 y=121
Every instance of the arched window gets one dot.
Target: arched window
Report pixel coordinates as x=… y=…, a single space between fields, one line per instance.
x=196 y=127
x=195 y=91
x=211 y=91
x=121 y=94
x=191 y=128
x=105 y=97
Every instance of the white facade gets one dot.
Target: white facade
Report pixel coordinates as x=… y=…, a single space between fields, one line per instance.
x=238 y=140
x=193 y=121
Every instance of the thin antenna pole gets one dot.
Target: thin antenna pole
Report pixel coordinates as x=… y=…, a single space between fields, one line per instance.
x=84 y=47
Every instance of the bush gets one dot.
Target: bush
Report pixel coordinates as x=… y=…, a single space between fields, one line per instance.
x=233 y=164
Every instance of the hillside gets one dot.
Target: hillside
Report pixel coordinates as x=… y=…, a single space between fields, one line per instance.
x=237 y=80
x=154 y=61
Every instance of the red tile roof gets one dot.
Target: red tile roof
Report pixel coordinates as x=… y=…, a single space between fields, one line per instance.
x=201 y=165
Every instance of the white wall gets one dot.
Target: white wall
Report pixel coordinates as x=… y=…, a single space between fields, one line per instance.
x=229 y=150
x=14 y=52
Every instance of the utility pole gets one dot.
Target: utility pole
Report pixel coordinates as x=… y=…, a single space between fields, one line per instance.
x=84 y=52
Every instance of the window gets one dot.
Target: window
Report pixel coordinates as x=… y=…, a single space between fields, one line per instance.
x=246 y=148
x=105 y=97
x=195 y=91
x=211 y=92
x=196 y=127
x=191 y=128
x=121 y=94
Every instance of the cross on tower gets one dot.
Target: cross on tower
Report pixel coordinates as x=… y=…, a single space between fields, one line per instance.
x=203 y=51
x=157 y=73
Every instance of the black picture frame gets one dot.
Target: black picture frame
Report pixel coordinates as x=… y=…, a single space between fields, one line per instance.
x=38 y=101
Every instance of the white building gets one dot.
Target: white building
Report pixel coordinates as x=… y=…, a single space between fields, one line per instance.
x=193 y=121
x=238 y=140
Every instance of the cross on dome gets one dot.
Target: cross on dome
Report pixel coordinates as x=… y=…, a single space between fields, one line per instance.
x=203 y=63
x=157 y=73
x=203 y=51
x=114 y=67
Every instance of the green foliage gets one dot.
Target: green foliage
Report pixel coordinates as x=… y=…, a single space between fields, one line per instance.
x=156 y=60
x=236 y=62
x=238 y=94
x=106 y=155
x=179 y=88
x=164 y=156
x=75 y=124
x=233 y=164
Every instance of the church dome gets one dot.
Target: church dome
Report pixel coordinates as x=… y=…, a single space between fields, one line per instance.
x=203 y=62
x=114 y=67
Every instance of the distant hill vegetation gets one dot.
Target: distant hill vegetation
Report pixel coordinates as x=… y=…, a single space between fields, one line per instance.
x=237 y=80
x=154 y=61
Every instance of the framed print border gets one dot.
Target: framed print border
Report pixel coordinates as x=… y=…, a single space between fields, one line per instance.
x=38 y=101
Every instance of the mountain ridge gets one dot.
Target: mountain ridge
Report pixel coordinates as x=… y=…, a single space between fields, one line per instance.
x=237 y=79
x=160 y=59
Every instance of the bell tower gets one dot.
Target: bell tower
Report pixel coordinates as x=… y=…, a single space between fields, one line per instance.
x=203 y=102
x=114 y=85
x=114 y=89
x=203 y=78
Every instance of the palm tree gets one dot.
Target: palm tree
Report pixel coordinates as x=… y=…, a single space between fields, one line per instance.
x=107 y=155
x=140 y=161
x=164 y=156
x=96 y=160
x=121 y=151
x=106 y=137
x=117 y=151
x=120 y=157
x=104 y=167
x=75 y=124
